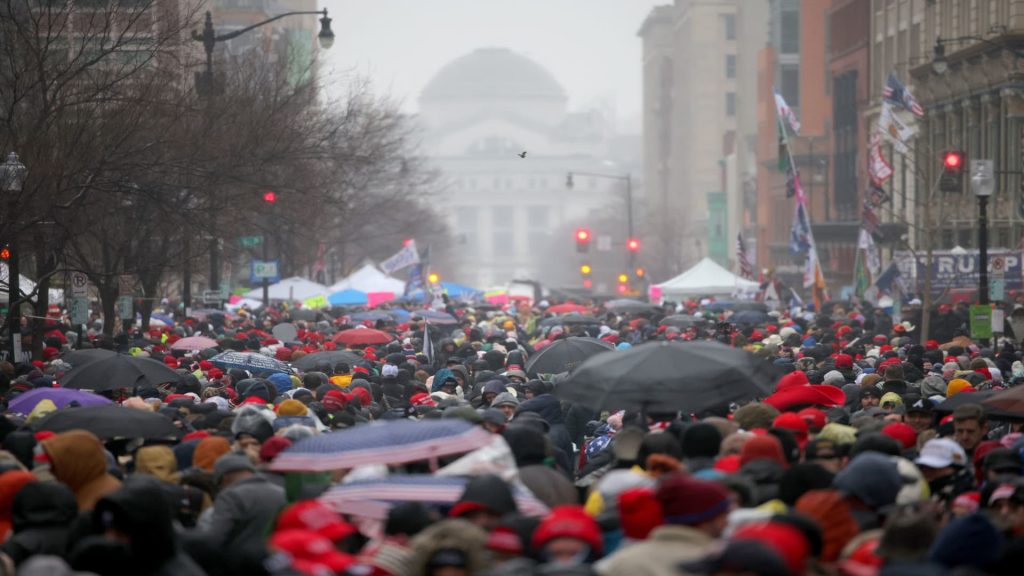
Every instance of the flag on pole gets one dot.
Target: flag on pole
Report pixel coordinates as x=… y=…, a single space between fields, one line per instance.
x=890 y=279
x=407 y=256
x=746 y=270
x=879 y=168
x=428 y=346
x=800 y=240
x=894 y=128
x=866 y=243
x=786 y=113
x=898 y=94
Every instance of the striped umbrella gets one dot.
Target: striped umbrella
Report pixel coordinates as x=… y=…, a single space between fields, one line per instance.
x=384 y=442
x=373 y=498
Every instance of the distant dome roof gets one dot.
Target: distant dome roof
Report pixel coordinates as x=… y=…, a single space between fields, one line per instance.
x=493 y=73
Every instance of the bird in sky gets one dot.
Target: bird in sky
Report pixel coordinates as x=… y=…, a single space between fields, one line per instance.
x=522 y=154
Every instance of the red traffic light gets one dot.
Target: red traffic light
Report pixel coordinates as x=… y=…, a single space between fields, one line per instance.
x=633 y=244
x=588 y=283
x=269 y=197
x=582 y=235
x=953 y=160
x=5 y=253
x=407 y=242
x=623 y=288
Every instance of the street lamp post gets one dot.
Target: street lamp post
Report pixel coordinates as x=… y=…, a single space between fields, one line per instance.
x=983 y=184
x=206 y=88
x=12 y=176
x=628 y=179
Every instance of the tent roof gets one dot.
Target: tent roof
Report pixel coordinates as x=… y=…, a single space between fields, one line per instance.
x=707 y=277
x=368 y=279
x=294 y=288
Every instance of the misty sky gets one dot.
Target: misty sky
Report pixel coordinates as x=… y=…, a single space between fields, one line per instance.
x=590 y=46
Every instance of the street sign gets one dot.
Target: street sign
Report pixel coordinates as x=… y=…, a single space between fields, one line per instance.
x=79 y=310
x=79 y=285
x=981 y=321
x=998 y=265
x=264 y=269
x=214 y=296
x=251 y=241
x=124 y=308
x=997 y=289
x=125 y=284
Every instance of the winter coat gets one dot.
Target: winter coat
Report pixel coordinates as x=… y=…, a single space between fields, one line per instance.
x=77 y=459
x=41 y=516
x=548 y=485
x=550 y=409
x=661 y=554
x=241 y=517
x=766 y=475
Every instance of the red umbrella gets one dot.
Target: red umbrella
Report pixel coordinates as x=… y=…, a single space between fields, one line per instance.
x=568 y=308
x=362 y=337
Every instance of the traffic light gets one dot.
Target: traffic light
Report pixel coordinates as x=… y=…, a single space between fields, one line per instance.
x=633 y=245
x=585 y=269
x=433 y=278
x=954 y=163
x=582 y=240
x=407 y=242
x=5 y=253
x=588 y=283
x=623 y=278
x=640 y=272
x=269 y=197
x=623 y=288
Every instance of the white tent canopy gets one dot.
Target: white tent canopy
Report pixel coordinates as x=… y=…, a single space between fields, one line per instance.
x=370 y=280
x=707 y=278
x=291 y=289
x=27 y=286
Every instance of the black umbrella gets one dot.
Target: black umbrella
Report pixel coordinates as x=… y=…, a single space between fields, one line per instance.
x=119 y=371
x=565 y=354
x=111 y=421
x=667 y=376
x=629 y=306
x=749 y=317
x=332 y=357
x=680 y=321
x=993 y=412
x=569 y=319
x=79 y=357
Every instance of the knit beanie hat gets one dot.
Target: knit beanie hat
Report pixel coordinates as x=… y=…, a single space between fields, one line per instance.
x=969 y=541
x=755 y=415
x=639 y=513
x=689 y=501
x=787 y=540
x=291 y=407
x=767 y=447
x=701 y=440
x=832 y=513
x=871 y=477
x=956 y=386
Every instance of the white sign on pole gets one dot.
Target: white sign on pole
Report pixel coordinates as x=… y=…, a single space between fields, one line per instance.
x=126 y=284
x=79 y=310
x=124 y=308
x=79 y=284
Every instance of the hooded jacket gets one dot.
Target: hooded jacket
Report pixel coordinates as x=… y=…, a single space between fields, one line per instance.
x=159 y=462
x=77 y=459
x=42 y=515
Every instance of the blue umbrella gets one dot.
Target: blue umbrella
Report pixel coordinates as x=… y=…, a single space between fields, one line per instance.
x=462 y=292
x=374 y=497
x=383 y=442
x=348 y=297
x=163 y=318
x=61 y=397
x=249 y=361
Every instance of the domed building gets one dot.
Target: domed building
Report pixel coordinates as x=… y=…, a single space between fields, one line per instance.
x=512 y=217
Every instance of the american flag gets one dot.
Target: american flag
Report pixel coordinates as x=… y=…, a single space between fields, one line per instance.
x=746 y=270
x=898 y=94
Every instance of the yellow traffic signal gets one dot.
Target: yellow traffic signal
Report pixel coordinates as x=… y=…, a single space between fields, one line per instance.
x=585 y=269
x=640 y=272
x=433 y=278
x=623 y=278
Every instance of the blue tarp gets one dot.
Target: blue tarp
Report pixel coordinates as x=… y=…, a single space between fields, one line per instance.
x=347 y=298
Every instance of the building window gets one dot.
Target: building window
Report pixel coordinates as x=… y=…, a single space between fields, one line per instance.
x=730 y=103
x=791 y=85
x=730 y=65
x=730 y=26
x=790 y=30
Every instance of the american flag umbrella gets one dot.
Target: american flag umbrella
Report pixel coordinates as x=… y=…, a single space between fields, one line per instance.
x=194 y=343
x=249 y=361
x=435 y=317
x=385 y=442
x=362 y=337
x=373 y=498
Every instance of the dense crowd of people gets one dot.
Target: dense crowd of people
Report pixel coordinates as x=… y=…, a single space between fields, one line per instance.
x=873 y=453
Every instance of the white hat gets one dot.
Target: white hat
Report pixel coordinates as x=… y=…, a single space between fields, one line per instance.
x=915 y=302
x=940 y=453
x=773 y=340
x=787 y=332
